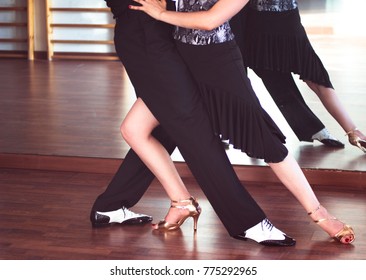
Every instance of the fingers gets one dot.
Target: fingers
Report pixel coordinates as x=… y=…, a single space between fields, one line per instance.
x=137 y=8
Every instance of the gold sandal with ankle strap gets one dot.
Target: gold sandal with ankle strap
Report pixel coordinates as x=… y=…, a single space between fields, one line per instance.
x=189 y=204
x=356 y=140
x=346 y=231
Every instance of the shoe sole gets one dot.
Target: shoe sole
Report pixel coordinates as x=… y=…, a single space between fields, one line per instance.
x=287 y=242
x=332 y=143
x=133 y=221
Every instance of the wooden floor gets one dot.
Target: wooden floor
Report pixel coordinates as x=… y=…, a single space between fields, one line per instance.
x=60 y=145
x=45 y=215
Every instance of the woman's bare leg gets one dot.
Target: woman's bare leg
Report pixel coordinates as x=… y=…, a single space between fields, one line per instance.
x=291 y=175
x=334 y=106
x=136 y=129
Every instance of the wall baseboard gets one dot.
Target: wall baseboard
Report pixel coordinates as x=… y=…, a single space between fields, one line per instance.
x=246 y=173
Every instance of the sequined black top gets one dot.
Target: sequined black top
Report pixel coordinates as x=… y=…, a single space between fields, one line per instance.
x=220 y=34
x=273 y=5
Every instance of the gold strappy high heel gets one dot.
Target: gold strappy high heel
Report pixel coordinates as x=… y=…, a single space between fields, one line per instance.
x=355 y=140
x=189 y=204
x=346 y=231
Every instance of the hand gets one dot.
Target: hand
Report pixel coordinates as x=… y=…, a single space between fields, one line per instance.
x=153 y=8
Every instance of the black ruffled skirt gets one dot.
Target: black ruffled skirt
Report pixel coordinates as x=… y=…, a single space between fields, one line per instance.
x=277 y=41
x=234 y=109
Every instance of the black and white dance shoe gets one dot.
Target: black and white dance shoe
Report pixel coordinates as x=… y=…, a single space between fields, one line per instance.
x=226 y=144
x=327 y=139
x=265 y=233
x=122 y=216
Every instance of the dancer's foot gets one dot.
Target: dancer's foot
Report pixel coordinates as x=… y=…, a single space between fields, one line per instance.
x=179 y=211
x=331 y=225
x=120 y=216
x=356 y=138
x=327 y=139
x=265 y=233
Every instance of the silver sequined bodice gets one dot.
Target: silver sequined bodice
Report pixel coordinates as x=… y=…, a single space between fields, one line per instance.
x=201 y=37
x=273 y=5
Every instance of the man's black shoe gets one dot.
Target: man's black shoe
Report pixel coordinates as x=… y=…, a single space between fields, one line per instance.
x=121 y=216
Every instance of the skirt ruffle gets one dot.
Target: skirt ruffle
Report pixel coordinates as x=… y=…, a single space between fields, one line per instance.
x=248 y=128
x=278 y=42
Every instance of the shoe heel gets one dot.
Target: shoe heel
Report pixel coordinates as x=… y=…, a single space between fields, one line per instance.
x=189 y=204
x=195 y=222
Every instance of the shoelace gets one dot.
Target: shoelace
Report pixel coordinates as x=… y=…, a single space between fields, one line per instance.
x=128 y=213
x=126 y=210
x=266 y=223
x=323 y=134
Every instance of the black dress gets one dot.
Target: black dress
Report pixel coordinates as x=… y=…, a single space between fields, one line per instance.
x=277 y=41
x=274 y=45
x=216 y=63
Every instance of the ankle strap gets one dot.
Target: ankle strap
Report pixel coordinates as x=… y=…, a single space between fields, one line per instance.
x=351 y=131
x=188 y=201
x=322 y=219
x=313 y=211
x=182 y=200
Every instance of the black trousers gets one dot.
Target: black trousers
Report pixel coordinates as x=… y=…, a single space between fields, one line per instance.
x=159 y=76
x=285 y=93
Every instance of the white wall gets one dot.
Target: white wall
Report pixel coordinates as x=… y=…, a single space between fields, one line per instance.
x=58 y=33
x=13 y=32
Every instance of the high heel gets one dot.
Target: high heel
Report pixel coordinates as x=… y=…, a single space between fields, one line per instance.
x=189 y=204
x=355 y=140
x=346 y=232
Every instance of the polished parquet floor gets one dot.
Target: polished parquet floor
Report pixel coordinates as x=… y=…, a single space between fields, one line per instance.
x=60 y=145
x=45 y=215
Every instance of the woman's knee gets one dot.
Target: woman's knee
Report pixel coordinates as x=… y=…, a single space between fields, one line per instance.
x=128 y=131
x=133 y=132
